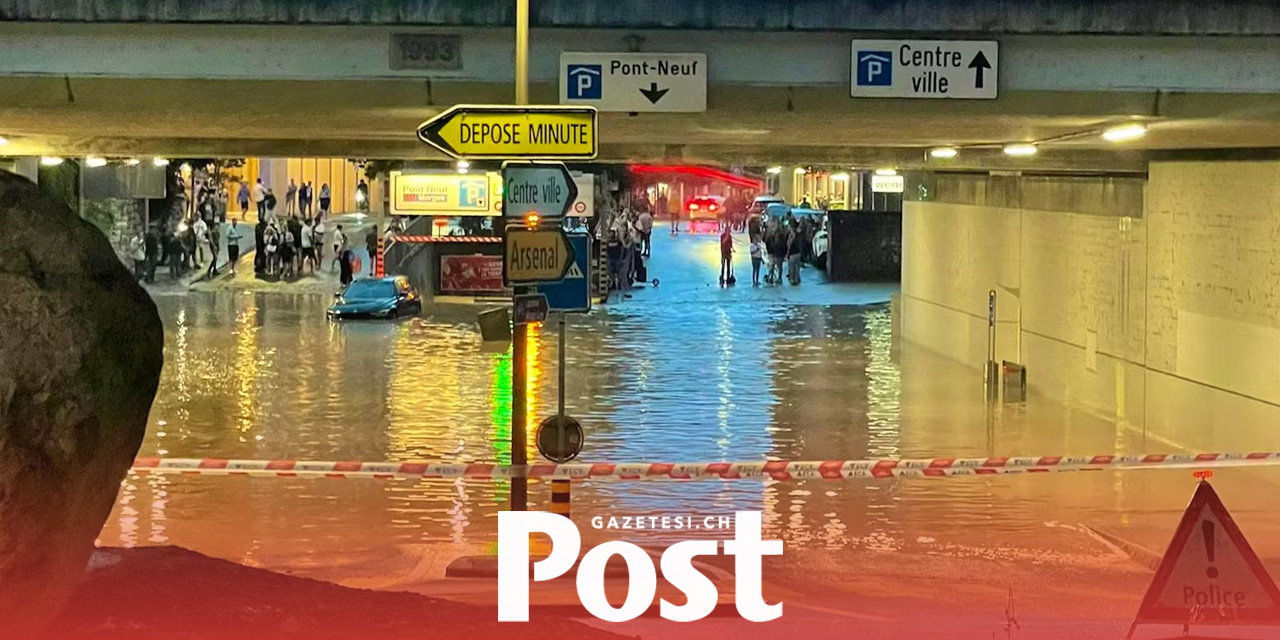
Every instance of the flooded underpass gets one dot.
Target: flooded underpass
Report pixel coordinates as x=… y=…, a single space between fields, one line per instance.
x=685 y=372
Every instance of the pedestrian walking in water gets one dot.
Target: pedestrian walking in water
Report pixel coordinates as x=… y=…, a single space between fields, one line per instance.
x=726 y=257
x=243 y=199
x=215 y=247
x=371 y=243
x=273 y=249
x=776 y=245
x=287 y=252
x=645 y=222
x=259 y=193
x=345 y=267
x=260 y=246
x=794 y=242
x=138 y=253
x=340 y=248
x=233 y=246
x=325 y=199
x=307 y=240
x=201 y=232
x=318 y=240
x=290 y=198
x=757 y=258
x=294 y=226
x=151 y=243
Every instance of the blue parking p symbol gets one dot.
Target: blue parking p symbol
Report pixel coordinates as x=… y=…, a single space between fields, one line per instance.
x=875 y=69
x=584 y=82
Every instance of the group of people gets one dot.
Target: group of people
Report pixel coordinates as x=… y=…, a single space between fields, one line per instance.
x=286 y=248
x=183 y=249
x=786 y=242
x=629 y=243
x=297 y=199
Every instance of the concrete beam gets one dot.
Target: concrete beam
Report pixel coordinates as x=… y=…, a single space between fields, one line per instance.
x=1168 y=17
x=256 y=52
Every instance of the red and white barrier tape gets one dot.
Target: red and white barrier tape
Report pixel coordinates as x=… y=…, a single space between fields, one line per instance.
x=464 y=239
x=777 y=469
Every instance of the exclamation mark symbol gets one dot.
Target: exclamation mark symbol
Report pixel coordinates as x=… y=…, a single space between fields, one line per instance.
x=1207 y=528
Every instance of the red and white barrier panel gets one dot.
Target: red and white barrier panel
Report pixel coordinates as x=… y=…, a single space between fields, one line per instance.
x=776 y=469
x=420 y=239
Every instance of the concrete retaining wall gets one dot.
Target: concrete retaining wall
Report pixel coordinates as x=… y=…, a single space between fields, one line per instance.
x=1168 y=322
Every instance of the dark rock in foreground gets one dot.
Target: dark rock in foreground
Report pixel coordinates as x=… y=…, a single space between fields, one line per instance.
x=81 y=347
x=169 y=593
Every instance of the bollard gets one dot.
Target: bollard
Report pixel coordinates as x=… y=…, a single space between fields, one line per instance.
x=560 y=497
x=379 y=259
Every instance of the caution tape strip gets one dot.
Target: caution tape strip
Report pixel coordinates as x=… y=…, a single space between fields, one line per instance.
x=775 y=469
x=464 y=239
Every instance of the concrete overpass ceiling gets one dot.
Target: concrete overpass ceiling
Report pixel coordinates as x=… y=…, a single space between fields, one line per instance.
x=1130 y=17
x=224 y=89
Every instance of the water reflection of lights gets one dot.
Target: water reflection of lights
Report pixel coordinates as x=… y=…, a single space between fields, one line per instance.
x=884 y=387
x=246 y=364
x=533 y=381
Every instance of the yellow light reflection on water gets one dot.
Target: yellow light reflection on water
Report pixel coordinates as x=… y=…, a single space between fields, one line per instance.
x=246 y=364
x=533 y=379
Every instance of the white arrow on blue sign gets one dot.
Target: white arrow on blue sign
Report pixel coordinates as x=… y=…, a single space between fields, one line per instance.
x=544 y=188
x=573 y=293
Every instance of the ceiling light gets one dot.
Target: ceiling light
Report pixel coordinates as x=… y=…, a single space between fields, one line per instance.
x=463 y=165
x=95 y=161
x=3 y=141
x=800 y=170
x=840 y=177
x=50 y=161
x=1020 y=149
x=160 y=162
x=943 y=153
x=1124 y=132
x=886 y=172
x=775 y=170
x=133 y=162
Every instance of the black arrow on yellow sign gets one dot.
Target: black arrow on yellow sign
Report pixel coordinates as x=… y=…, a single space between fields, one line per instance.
x=509 y=131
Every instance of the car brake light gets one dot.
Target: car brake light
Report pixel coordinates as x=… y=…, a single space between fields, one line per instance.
x=693 y=207
x=713 y=207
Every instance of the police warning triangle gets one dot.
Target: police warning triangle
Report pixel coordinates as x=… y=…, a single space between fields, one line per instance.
x=574 y=272
x=1209 y=574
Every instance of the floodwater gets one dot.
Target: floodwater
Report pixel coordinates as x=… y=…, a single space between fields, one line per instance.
x=684 y=372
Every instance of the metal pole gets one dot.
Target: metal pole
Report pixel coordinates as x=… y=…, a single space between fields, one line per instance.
x=560 y=488
x=520 y=333
x=522 y=51
x=992 y=371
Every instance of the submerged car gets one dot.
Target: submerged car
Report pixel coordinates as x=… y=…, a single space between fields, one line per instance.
x=388 y=297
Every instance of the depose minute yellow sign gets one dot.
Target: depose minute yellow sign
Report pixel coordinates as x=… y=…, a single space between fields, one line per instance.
x=499 y=131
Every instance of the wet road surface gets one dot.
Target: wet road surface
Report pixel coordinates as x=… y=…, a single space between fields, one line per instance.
x=684 y=372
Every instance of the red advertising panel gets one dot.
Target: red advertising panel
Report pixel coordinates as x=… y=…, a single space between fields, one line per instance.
x=471 y=274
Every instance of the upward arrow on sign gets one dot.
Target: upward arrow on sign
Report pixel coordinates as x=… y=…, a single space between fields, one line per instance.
x=979 y=64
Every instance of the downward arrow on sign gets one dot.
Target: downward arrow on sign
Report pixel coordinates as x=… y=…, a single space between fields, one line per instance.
x=654 y=94
x=978 y=64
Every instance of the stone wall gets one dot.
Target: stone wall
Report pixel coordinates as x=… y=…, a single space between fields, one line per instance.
x=119 y=219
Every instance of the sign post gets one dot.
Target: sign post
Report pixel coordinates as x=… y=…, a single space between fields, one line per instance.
x=520 y=332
